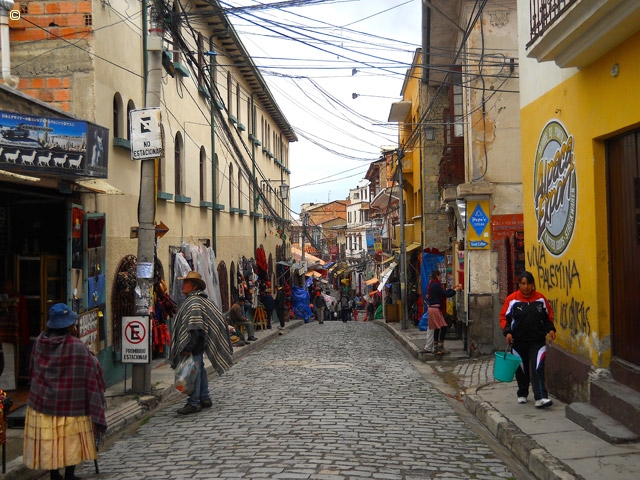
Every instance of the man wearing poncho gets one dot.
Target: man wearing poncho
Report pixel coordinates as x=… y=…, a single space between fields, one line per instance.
x=199 y=328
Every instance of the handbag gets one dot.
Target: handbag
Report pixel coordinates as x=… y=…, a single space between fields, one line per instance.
x=186 y=374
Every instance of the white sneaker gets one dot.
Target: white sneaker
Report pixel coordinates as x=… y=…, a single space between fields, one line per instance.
x=543 y=402
x=522 y=399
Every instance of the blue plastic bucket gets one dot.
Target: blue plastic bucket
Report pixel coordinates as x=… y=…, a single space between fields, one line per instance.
x=505 y=366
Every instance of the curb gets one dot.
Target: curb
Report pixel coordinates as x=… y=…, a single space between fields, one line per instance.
x=532 y=456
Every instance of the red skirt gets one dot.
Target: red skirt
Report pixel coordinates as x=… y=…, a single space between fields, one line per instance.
x=435 y=318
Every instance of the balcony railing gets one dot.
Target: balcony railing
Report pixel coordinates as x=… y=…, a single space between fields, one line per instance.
x=544 y=13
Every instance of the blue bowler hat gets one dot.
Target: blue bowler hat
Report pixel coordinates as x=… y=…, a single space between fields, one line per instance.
x=61 y=316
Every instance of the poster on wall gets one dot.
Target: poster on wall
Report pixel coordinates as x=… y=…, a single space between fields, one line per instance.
x=504 y=226
x=478 y=225
x=67 y=147
x=88 y=329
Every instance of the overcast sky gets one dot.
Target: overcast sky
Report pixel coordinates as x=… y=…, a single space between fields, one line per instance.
x=307 y=55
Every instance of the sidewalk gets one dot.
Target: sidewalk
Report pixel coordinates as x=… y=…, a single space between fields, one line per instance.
x=125 y=408
x=548 y=444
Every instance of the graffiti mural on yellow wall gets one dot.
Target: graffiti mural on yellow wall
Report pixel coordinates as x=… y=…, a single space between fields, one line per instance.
x=558 y=279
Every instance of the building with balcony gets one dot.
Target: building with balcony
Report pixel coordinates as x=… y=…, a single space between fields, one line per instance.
x=580 y=118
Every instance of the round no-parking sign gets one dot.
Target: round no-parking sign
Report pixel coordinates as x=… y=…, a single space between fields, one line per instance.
x=136 y=340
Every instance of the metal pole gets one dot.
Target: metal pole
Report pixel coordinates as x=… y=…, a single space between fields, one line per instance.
x=403 y=249
x=141 y=373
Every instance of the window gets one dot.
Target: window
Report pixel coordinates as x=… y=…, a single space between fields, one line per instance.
x=117 y=116
x=203 y=163
x=238 y=106
x=202 y=67
x=177 y=158
x=229 y=94
x=458 y=122
x=176 y=22
x=230 y=186
x=160 y=173
x=239 y=189
x=130 y=106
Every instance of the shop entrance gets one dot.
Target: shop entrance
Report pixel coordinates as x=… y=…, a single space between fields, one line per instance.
x=623 y=159
x=33 y=226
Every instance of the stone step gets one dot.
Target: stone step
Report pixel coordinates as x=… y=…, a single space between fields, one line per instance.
x=599 y=423
x=617 y=401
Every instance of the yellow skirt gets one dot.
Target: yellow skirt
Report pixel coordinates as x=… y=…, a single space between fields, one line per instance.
x=56 y=442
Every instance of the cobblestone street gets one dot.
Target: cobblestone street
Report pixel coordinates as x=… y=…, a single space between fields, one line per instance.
x=332 y=401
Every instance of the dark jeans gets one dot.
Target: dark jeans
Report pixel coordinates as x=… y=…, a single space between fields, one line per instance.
x=531 y=370
x=280 y=314
x=201 y=390
x=439 y=334
x=346 y=313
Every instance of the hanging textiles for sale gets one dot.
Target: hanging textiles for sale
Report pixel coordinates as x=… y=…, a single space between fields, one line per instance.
x=430 y=262
x=300 y=303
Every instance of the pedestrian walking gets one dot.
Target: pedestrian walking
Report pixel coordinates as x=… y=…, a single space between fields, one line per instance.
x=526 y=319
x=345 y=307
x=200 y=328
x=280 y=305
x=437 y=300
x=66 y=404
x=321 y=306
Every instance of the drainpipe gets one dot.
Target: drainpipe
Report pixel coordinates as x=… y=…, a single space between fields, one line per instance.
x=5 y=7
x=253 y=165
x=214 y=192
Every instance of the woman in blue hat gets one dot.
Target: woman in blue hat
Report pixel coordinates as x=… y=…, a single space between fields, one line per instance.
x=65 y=409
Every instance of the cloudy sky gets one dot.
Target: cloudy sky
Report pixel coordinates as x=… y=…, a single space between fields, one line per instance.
x=315 y=57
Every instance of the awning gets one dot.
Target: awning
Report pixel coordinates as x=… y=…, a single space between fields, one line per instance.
x=296 y=253
x=314 y=273
x=390 y=259
x=410 y=248
x=339 y=271
x=99 y=186
x=371 y=281
x=384 y=276
x=329 y=265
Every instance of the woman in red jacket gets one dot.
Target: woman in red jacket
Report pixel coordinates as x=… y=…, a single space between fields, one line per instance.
x=526 y=318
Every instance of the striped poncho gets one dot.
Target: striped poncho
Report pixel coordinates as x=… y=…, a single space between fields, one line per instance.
x=197 y=312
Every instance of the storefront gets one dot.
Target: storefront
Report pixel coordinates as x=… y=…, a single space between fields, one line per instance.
x=52 y=249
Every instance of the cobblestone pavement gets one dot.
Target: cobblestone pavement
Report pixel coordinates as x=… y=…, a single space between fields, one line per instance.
x=327 y=402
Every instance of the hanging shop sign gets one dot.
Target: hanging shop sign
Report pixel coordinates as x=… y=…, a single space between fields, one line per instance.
x=60 y=146
x=136 y=339
x=478 y=225
x=146 y=133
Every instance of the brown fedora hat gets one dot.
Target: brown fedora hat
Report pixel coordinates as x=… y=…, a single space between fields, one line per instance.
x=195 y=278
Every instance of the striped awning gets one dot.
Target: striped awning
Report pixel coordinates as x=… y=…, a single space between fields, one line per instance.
x=384 y=276
x=371 y=281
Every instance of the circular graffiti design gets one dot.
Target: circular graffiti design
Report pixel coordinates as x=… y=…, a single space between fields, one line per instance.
x=555 y=187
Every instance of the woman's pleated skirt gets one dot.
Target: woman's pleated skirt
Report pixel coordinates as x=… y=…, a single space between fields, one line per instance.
x=56 y=442
x=435 y=318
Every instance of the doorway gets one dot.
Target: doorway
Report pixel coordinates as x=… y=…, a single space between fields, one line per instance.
x=623 y=164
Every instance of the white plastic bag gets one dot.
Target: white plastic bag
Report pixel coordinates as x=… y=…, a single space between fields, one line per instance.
x=186 y=374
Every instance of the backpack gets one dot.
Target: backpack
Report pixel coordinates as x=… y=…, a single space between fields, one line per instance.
x=344 y=303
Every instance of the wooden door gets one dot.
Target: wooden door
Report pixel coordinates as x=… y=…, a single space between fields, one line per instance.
x=623 y=159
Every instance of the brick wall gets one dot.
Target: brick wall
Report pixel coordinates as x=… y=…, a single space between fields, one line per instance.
x=37 y=38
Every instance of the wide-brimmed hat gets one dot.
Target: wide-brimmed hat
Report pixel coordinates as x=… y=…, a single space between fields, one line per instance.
x=61 y=316
x=195 y=278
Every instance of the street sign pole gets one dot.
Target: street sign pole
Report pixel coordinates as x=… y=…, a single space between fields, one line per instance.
x=141 y=373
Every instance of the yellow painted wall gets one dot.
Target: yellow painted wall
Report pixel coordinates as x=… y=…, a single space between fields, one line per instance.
x=592 y=105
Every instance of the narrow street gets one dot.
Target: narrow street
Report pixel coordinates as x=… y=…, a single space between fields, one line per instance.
x=332 y=401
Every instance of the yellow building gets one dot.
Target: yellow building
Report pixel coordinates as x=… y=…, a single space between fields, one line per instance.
x=580 y=120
